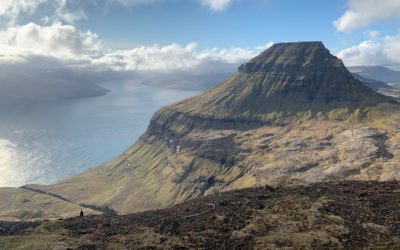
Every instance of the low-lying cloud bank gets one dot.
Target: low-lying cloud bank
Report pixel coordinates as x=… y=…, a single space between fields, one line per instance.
x=371 y=52
x=85 y=50
x=57 y=41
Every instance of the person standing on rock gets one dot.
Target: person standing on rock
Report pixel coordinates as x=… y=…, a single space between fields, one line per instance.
x=81 y=214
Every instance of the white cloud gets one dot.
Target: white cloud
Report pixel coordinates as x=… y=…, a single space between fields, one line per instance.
x=362 y=13
x=173 y=57
x=392 y=48
x=13 y=8
x=217 y=5
x=57 y=40
x=75 y=48
x=365 y=53
x=160 y=58
x=373 y=53
x=65 y=43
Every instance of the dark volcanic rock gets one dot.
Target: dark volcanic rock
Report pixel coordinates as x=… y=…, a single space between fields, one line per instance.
x=306 y=74
x=290 y=57
x=332 y=215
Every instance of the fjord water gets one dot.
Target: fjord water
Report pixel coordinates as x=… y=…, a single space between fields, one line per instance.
x=45 y=143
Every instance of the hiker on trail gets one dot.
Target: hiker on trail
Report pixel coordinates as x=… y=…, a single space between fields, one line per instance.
x=81 y=214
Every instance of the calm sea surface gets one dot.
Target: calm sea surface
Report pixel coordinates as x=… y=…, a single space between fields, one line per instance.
x=49 y=142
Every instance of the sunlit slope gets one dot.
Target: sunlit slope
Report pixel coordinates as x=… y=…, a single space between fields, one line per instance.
x=22 y=204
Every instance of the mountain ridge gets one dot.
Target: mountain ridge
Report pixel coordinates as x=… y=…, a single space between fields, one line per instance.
x=379 y=86
x=379 y=73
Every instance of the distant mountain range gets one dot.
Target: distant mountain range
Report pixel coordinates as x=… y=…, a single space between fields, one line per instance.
x=34 y=85
x=379 y=73
x=373 y=84
x=379 y=86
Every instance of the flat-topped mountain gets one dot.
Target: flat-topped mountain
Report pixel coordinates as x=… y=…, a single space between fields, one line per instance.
x=286 y=79
x=292 y=112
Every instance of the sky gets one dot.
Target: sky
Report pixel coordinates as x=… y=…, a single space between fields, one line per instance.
x=190 y=35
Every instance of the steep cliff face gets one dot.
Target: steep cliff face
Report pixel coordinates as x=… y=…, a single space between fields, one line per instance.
x=288 y=82
x=292 y=112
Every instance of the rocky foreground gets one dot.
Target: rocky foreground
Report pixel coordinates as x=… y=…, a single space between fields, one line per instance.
x=347 y=214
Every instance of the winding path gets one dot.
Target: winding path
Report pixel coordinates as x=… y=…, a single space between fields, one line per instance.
x=211 y=205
